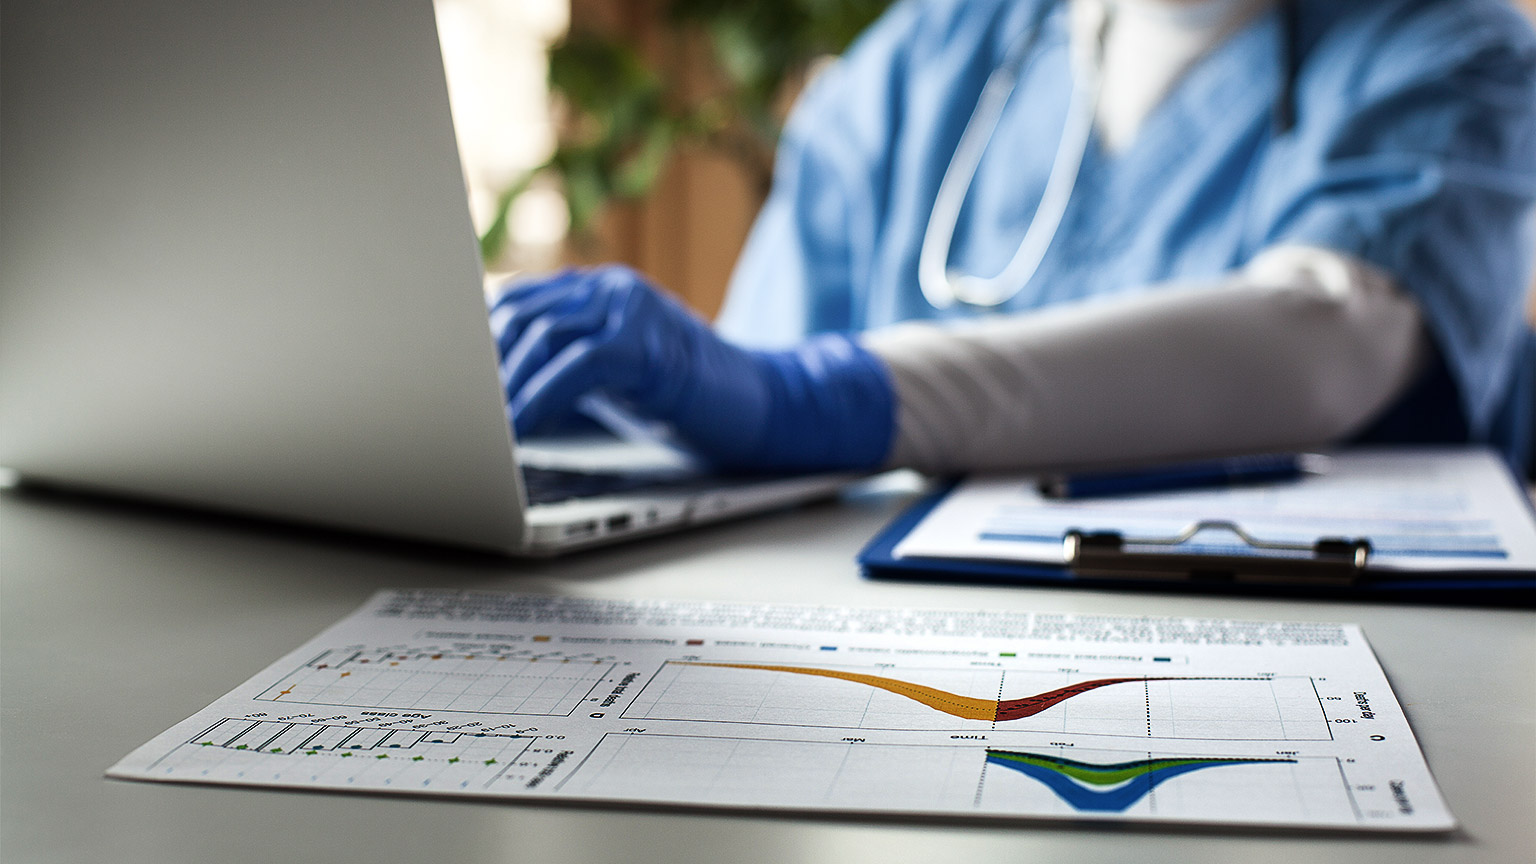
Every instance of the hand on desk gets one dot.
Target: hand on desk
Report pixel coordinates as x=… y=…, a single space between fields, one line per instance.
x=825 y=404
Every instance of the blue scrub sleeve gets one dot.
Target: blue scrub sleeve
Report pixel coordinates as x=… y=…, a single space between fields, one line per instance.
x=811 y=248
x=1423 y=162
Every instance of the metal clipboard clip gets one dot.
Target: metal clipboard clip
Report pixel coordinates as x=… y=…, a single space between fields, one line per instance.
x=1108 y=555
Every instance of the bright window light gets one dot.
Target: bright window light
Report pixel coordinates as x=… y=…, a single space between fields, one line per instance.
x=495 y=53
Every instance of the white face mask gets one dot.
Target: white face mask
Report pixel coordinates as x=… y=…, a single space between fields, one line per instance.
x=1148 y=48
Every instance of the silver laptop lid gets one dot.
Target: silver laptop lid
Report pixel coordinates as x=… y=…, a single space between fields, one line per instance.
x=237 y=267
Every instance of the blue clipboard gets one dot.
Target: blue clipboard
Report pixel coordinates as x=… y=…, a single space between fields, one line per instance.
x=877 y=560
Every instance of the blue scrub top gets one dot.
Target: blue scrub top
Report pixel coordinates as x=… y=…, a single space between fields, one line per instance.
x=1414 y=147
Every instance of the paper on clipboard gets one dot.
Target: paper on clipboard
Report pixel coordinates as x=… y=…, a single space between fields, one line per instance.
x=1423 y=511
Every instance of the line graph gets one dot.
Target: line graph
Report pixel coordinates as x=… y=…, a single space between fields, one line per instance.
x=1257 y=707
x=954 y=704
x=433 y=678
x=1111 y=787
x=863 y=775
x=354 y=755
x=277 y=737
x=793 y=773
x=1254 y=786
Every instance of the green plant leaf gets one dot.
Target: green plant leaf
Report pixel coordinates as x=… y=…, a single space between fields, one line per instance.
x=493 y=243
x=624 y=123
x=638 y=173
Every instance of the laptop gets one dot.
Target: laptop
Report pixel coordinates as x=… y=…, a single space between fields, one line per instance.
x=237 y=271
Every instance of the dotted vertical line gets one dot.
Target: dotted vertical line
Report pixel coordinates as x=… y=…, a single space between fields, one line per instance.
x=1147 y=686
x=1000 y=678
x=980 y=782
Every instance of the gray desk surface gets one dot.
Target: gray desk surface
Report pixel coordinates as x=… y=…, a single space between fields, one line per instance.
x=117 y=621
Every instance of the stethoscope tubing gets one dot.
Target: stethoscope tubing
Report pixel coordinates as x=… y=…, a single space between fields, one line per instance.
x=943 y=287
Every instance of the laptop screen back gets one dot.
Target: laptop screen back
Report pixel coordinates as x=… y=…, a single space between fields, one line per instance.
x=237 y=267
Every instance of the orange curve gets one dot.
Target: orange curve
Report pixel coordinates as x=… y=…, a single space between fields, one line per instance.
x=964 y=707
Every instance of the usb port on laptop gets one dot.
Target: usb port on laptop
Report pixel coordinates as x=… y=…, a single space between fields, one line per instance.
x=581 y=529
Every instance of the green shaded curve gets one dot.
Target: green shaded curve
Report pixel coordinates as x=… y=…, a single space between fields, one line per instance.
x=1108 y=775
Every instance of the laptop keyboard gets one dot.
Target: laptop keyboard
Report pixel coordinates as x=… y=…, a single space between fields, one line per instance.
x=553 y=485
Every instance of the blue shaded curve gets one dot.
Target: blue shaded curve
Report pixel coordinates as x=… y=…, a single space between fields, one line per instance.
x=1118 y=799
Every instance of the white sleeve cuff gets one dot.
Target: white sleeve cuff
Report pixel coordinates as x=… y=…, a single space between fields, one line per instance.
x=1300 y=348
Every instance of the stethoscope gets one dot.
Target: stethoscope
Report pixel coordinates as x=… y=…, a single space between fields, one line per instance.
x=942 y=286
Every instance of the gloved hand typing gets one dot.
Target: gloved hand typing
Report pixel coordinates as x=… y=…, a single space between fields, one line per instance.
x=825 y=404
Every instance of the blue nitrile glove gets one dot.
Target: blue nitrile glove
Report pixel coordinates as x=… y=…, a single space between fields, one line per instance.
x=825 y=404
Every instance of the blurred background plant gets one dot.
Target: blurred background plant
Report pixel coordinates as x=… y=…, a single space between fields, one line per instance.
x=622 y=116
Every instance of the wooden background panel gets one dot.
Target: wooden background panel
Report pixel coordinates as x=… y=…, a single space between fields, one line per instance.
x=687 y=233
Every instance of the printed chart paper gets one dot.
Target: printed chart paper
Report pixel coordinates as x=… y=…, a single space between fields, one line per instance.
x=962 y=714
x=1422 y=510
